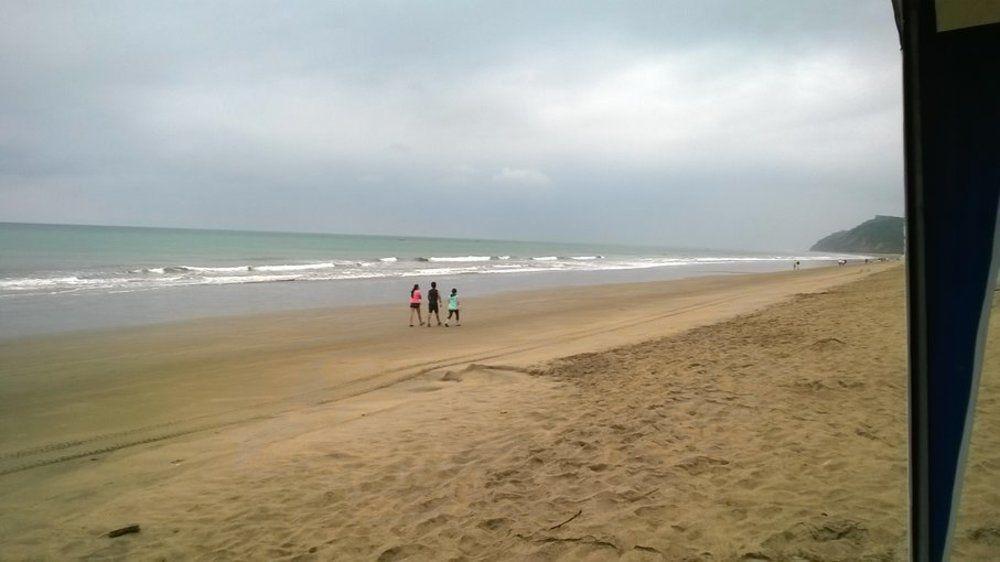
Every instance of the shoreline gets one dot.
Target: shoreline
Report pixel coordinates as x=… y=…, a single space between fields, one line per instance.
x=60 y=313
x=376 y=308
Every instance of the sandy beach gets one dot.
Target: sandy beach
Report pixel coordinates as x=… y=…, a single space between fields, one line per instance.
x=741 y=417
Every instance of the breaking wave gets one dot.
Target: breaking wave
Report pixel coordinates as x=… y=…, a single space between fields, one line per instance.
x=150 y=278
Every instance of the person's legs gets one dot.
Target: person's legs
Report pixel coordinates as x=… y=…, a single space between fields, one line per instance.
x=458 y=319
x=420 y=316
x=411 y=316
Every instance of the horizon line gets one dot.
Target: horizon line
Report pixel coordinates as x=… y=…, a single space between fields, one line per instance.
x=484 y=239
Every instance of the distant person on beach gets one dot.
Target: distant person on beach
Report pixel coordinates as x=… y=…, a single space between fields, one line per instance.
x=415 y=297
x=796 y=265
x=433 y=300
x=452 y=309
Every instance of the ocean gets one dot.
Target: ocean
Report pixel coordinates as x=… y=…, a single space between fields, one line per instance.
x=65 y=277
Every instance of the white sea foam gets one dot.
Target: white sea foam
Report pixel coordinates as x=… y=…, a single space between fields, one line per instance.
x=295 y=267
x=441 y=271
x=460 y=258
x=525 y=269
x=142 y=279
x=41 y=283
x=227 y=269
x=234 y=279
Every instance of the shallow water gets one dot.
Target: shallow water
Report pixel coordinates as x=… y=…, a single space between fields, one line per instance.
x=56 y=277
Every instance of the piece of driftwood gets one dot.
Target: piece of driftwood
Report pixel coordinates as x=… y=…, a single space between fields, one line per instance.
x=124 y=531
x=577 y=514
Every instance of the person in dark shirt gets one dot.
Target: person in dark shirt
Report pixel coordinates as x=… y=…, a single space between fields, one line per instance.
x=433 y=300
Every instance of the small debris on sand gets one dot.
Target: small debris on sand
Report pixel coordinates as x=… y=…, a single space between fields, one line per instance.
x=124 y=531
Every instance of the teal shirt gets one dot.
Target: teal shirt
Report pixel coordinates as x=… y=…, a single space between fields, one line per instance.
x=453 y=302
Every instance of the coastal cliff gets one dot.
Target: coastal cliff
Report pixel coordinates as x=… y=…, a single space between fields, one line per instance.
x=882 y=235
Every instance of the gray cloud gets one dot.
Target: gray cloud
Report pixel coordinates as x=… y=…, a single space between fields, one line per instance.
x=727 y=124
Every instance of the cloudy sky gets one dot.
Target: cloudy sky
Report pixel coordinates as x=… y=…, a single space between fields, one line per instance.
x=731 y=124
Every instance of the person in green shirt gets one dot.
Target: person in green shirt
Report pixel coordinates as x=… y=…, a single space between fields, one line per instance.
x=453 y=308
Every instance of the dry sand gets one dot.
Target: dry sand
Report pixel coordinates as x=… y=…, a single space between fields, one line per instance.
x=744 y=417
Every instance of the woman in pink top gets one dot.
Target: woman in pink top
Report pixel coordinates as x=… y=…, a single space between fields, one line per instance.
x=415 y=304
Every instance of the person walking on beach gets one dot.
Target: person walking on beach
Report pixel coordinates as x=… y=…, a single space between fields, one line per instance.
x=433 y=301
x=452 y=309
x=415 y=304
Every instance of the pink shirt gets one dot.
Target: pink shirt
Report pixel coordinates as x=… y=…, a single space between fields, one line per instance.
x=415 y=297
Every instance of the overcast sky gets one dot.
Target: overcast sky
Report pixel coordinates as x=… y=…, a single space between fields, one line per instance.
x=731 y=124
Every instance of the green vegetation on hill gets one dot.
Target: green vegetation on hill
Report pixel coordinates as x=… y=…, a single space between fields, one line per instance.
x=880 y=235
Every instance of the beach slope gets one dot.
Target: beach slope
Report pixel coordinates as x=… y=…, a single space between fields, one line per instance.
x=767 y=427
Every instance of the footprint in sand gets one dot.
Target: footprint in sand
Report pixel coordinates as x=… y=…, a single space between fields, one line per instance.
x=494 y=524
x=425 y=389
x=403 y=552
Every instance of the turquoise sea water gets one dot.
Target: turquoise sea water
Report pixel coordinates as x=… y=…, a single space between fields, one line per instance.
x=55 y=277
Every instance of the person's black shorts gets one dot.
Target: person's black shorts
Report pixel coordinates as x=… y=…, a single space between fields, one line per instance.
x=432 y=307
x=415 y=305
